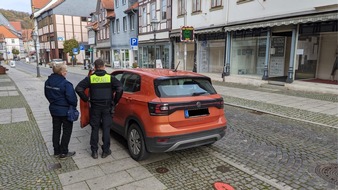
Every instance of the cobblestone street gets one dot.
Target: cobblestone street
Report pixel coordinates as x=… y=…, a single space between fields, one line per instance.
x=259 y=151
x=267 y=146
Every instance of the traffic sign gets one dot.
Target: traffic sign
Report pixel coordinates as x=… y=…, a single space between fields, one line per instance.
x=82 y=47
x=60 y=38
x=75 y=51
x=133 y=41
x=8 y=52
x=90 y=50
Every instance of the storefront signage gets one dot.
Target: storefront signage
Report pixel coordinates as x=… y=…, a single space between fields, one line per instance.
x=187 y=33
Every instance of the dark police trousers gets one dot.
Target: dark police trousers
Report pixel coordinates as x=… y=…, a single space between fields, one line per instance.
x=61 y=122
x=100 y=116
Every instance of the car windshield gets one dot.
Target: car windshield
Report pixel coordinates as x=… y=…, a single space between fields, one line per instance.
x=179 y=87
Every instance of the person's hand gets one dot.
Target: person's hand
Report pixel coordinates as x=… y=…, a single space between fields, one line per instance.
x=112 y=111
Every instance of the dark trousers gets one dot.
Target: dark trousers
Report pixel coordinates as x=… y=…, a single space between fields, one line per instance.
x=100 y=116
x=60 y=123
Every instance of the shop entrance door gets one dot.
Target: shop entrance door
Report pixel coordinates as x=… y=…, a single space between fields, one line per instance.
x=279 y=56
x=125 y=58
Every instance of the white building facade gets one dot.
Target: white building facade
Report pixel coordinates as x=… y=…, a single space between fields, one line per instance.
x=257 y=39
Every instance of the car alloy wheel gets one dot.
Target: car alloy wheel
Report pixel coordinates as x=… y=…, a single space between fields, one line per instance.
x=136 y=144
x=134 y=141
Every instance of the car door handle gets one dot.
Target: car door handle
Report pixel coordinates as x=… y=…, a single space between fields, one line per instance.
x=129 y=99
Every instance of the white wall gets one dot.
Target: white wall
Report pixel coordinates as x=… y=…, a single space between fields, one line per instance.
x=267 y=9
x=206 y=18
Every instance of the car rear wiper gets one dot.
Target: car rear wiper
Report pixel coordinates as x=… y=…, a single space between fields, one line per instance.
x=198 y=93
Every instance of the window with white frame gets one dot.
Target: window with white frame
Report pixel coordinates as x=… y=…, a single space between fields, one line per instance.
x=196 y=5
x=144 y=16
x=117 y=3
x=164 y=9
x=132 y=22
x=124 y=2
x=118 y=25
x=124 y=23
x=181 y=7
x=216 y=3
x=153 y=11
x=107 y=31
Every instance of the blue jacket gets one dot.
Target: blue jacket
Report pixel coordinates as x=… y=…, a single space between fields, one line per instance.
x=60 y=94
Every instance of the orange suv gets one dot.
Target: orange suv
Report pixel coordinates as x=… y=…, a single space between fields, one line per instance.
x=163 y=110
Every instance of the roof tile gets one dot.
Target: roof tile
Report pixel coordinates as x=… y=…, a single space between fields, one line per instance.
x=6 y=32
x=38 y=4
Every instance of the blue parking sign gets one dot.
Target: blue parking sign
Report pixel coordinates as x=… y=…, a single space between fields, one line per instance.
x=133 y=41
x=75 y=51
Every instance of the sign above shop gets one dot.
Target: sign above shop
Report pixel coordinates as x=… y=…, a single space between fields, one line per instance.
x=187 y=33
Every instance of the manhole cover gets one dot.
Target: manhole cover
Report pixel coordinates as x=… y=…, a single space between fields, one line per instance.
x=162 y=170
x=54 y=166
x=223 y=169
x=329 y=172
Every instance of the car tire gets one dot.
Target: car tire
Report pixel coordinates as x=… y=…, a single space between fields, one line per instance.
x=136 y=143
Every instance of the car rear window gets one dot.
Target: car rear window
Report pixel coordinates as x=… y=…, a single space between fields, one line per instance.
x=179 y=87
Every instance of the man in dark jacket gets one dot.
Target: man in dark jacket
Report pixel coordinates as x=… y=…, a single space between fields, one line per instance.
x=60 y=94
x=105 y=92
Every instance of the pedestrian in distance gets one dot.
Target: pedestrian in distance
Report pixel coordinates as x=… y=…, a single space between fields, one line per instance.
x=105 y=92
x=61 y=95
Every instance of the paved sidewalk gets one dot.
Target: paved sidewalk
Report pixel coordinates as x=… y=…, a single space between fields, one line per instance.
x=119 y=171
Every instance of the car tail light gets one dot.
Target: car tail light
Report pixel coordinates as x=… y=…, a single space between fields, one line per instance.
x=221 y=103
x=158 y=108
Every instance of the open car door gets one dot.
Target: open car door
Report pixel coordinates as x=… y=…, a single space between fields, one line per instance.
x=84 y=108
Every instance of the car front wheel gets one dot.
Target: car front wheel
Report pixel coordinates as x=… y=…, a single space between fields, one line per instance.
x=136 y=144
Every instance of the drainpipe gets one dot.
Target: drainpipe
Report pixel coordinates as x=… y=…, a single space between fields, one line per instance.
x=292 y=56
x=267 y=55
x=226 y=70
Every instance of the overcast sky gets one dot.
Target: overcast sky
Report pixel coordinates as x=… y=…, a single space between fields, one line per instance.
x=17 y=5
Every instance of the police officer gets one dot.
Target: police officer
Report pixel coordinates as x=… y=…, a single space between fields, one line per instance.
x=105 y=92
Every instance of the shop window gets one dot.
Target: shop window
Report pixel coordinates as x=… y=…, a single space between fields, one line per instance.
x=196 y=5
